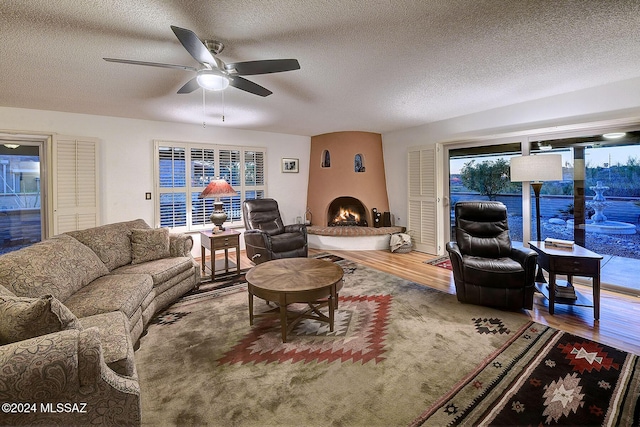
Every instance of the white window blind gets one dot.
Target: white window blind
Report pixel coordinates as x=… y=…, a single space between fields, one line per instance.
x=230 y=169
x=183 y=170
x=202 y=172
x=172 y=181
x=254 y=174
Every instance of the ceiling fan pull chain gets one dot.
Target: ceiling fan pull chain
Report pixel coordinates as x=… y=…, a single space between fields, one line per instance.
x=204 y=112
x=222 y=106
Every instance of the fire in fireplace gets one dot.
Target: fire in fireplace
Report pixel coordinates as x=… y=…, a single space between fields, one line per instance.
x=347 y=211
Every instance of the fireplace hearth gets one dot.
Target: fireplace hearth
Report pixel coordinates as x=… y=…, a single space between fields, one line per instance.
x=346 y=211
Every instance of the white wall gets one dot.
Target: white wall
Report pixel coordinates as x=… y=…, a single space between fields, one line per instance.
x=615 y=101
x=126 y=162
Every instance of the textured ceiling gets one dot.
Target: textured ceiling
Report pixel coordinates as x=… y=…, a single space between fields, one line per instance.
x=369 y=65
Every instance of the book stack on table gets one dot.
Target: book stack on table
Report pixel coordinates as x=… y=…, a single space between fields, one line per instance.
x=558 y=243
x=566 y=291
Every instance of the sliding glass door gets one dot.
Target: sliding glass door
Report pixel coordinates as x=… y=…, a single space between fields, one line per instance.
x=597 y=204
x=21 y=216
x=482 y=173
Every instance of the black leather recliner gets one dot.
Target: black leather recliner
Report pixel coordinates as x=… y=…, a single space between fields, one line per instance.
x=266 y=237
x=487 y=270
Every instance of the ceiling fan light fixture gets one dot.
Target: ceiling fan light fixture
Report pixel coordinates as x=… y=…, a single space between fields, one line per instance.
x=210 y=80
x=614 y=135
x=12 y=146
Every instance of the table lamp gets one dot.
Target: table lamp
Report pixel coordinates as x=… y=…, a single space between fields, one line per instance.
x=216 y=189
x=537 y=169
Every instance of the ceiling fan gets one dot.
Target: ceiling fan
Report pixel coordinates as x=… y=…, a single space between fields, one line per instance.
x=214 y=74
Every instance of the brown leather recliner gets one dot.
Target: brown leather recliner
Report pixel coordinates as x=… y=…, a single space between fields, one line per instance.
x=266 y=237
x=487 y=270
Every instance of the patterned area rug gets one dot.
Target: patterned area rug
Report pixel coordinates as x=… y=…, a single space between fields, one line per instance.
x=400 y=354
x=544 y=377
x=443 y=262
x=358 y=336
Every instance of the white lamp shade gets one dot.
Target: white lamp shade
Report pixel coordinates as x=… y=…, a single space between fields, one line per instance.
x=541 y=167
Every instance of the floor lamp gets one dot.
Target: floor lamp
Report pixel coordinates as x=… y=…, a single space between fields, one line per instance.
x=537 y=169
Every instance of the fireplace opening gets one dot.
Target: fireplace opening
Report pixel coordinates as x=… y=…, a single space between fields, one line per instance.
x=347 y=211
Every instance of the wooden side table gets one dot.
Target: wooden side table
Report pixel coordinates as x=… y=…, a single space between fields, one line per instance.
x=577 y=261
x=217 y=242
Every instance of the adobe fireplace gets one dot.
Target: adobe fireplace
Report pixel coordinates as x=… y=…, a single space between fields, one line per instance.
x=346 y=175
x=346 y=211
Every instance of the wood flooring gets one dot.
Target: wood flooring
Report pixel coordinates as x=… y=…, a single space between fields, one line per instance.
x=619 y=323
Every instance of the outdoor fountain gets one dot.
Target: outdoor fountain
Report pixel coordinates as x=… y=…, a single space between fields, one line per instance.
x=599 y=222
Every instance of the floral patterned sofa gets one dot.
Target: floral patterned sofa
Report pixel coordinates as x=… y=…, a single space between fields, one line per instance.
x=71 y=309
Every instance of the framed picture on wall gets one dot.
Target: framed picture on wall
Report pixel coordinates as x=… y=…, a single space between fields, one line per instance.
x=289 y=165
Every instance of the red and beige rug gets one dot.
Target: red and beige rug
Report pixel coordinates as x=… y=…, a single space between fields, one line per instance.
x=442 y=262
x=400 y=354
x=358 y=336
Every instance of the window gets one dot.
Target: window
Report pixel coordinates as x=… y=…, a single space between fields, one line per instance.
x=183 y=170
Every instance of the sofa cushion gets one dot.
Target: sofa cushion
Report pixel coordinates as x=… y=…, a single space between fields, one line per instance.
x=110 y=242
x=22 y=318
x=114 y=292
x=115 y=339
x=161 y=270
x=59 y=266
x=149 y=245
x=486 y=272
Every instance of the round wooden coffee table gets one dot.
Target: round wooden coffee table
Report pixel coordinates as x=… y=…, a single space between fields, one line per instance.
x=296 y=280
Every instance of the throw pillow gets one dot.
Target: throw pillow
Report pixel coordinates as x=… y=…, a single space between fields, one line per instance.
x=149 y=244
x=22 y=318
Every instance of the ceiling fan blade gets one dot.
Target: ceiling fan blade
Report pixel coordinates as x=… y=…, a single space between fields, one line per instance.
x=194 y=46
x=267 y=66
x=249 y=86
x=190 y=86
x=151 y=64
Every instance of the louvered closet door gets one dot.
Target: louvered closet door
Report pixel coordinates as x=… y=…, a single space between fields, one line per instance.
x=75 y=184
x=422 y=218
